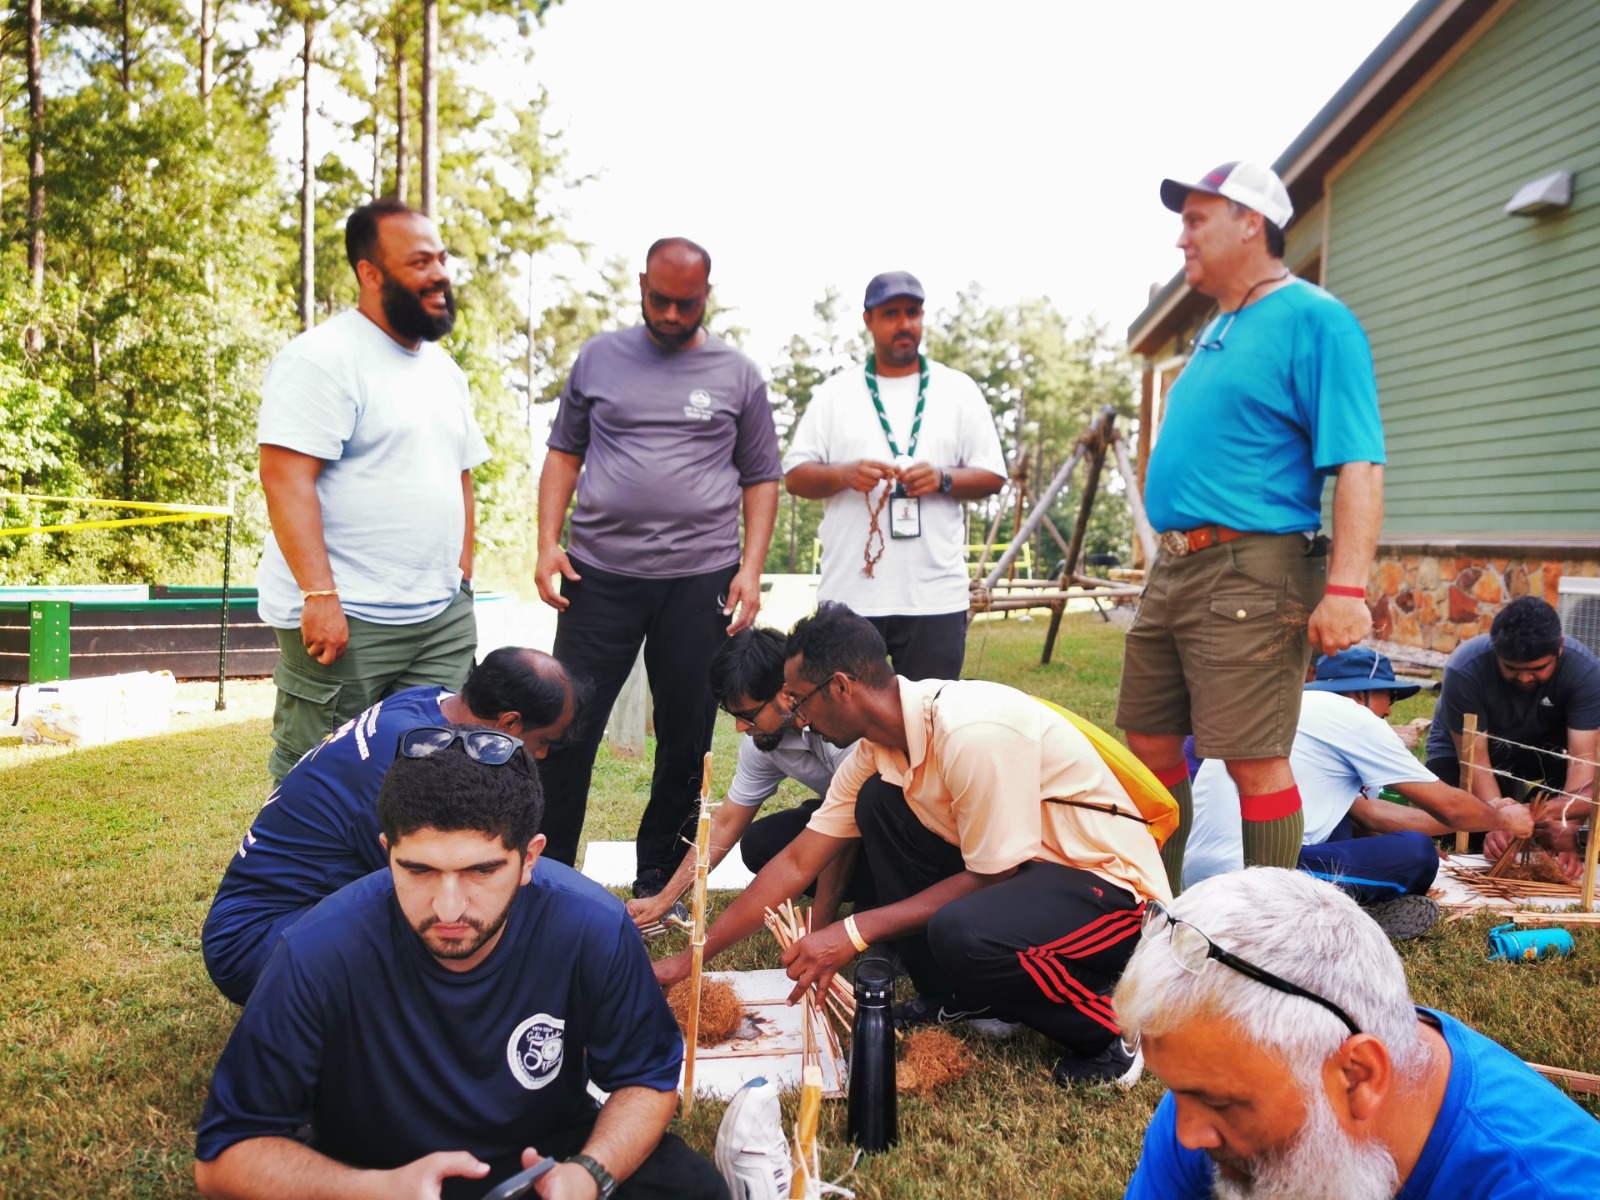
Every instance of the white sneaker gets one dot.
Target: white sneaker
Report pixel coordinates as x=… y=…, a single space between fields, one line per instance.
x=752 y=1153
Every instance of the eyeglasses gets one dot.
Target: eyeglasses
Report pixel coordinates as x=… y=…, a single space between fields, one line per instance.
x=749 y=715
x=1192 y=949
x=1216 y=342
x=487 y=746
x=797 y=707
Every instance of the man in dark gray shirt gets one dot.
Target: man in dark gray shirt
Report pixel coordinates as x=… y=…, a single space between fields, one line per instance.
x=671 y=430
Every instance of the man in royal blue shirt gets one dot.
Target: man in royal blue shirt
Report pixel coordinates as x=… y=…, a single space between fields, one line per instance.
x=1297 y=1066
x=1278 y=394
x=431 y=1029
x=319 y=828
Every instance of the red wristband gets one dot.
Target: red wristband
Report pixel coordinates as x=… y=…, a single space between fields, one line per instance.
x=1339 y=589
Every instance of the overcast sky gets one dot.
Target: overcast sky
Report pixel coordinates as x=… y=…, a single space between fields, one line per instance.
x=1015 y=144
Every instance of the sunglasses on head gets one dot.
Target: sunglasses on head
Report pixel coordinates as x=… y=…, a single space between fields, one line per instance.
x=487 y=746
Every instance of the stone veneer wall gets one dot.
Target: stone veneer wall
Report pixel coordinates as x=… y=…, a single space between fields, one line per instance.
x=1438 y=596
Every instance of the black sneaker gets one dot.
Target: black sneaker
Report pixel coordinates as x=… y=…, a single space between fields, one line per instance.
x=649 y=883
x=915 y=1013
x=1115 y=1064
x=1406 y=917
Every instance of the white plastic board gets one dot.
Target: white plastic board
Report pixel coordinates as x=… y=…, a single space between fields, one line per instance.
x=614 y=864
x=772 y=1045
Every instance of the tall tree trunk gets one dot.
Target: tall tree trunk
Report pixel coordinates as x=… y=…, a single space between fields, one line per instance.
x=527 y=413
x=402 y=115
x=430 y=107
x=130 y=445
x=35 y=162
x=308 y=216
x=208 y=48
x=208 y=54
x=125 y=66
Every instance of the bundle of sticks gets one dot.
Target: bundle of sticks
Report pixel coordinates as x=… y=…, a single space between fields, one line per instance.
x=807 y=1160
x=1521 y=851
x=788 y=927
x=1486 y=883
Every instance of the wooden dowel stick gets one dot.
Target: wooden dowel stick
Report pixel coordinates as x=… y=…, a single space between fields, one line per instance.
x=697 y=942
x=1594 y=846
x=1469 y=742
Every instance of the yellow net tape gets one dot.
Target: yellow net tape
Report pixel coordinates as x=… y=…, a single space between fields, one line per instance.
x=171 y=513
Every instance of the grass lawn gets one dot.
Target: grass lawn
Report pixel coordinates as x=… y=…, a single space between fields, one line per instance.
x=109 y=1026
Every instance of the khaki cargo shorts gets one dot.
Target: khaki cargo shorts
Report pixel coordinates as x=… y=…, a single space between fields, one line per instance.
x=1219 y=646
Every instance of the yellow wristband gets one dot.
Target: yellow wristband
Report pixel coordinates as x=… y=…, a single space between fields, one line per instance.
x=856 y=940
x=325 y=592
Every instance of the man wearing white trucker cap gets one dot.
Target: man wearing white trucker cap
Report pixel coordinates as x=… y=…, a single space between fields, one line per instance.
x=1277 y=395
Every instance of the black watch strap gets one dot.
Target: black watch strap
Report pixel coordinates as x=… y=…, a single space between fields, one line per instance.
x=602 y=1177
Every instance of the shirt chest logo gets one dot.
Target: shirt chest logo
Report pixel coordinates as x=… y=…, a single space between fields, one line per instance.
x=535 y=1050
x=699 y=406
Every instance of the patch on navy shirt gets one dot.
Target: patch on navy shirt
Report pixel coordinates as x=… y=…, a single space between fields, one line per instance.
x=535 y=1050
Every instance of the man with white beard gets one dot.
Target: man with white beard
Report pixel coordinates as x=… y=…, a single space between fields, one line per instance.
x=1277 y=1014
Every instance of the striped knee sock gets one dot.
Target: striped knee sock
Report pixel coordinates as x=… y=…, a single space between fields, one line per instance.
x=1176 y=781
x=1273 y=828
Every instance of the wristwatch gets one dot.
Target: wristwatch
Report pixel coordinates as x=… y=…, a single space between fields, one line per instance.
x=602 y=1177
x=947 y=482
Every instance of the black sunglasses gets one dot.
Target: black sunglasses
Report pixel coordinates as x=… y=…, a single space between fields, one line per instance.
x=750 y=714
x=487 y=746
x=1192 y=948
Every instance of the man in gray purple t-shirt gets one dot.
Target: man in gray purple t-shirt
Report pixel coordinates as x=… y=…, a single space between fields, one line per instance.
x=671 y=432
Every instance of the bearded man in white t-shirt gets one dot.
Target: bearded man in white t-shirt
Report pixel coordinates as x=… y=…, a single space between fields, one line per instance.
x=367 y=447
x=893 y=451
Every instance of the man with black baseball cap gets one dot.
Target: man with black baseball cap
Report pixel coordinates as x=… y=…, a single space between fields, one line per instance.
x=892 y=452
x=1277 y=395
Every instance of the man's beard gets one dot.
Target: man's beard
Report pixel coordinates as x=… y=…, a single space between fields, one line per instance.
x=403 y=309
x=467 y=947
x=896 y=355
x=766 y=742
x=1323 y=1162
x=674 y=339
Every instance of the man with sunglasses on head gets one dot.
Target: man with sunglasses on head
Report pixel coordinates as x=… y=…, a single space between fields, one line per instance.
x=1009 y=861
x=1345 y=754
x=434 y=1028
x=319 y=828
x=672 y=432
x=1298 y=1068
x=367 y=448
x=1537 y=697
x=747 y=680
x=894 y=451
x=1278 y=394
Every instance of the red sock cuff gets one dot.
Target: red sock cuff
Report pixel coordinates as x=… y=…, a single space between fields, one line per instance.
x=1272 y=805
x=1173 y=775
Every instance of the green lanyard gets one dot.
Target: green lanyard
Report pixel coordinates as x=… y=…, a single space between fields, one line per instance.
x=883 y=417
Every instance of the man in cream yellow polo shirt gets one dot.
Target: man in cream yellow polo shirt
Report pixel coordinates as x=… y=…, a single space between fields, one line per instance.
x=1014 y=865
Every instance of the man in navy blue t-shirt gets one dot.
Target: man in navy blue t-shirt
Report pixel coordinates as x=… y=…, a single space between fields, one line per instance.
x=1537 y=698
x=431 y=1029
x=1297 y=1066
x=319 y=828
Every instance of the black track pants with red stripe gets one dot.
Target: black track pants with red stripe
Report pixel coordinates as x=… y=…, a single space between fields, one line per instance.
x=1045 y=947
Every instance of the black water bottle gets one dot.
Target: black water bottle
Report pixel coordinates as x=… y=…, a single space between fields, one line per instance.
x=873 y=1121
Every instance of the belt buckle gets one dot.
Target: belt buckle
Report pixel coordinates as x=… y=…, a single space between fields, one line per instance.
x=1176 y=543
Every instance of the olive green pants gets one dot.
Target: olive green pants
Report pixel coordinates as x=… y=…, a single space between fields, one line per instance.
x=380 y=660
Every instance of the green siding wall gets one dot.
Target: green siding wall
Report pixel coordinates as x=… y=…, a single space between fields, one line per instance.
x=1485 y=327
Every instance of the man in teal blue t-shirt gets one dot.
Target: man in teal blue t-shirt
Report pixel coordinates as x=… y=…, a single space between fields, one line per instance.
x=1278 y=394
x=1297 y=1066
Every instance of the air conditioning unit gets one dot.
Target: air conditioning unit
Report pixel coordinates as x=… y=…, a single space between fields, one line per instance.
x=1580 y=609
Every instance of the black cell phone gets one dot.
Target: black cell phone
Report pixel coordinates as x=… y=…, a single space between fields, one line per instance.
x=521 y=1184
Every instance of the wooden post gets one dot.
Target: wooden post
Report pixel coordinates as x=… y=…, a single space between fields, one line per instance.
x=697 y=939
x=1594 y=845
x=1130 y=483
x=1469 y=742
x=625 y=730
x=1080 y=530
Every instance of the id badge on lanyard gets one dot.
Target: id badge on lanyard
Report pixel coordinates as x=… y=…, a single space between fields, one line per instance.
x=905 y=512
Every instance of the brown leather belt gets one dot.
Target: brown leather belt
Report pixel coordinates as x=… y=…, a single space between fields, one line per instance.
x=1179 y=542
